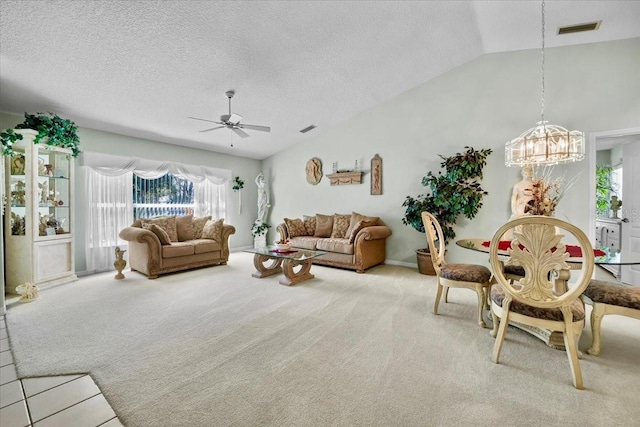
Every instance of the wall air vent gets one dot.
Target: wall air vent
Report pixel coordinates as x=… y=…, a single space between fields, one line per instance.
x=308 y=128
x=579 y=28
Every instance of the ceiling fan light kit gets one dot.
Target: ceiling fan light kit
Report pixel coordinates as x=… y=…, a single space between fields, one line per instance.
x=232 y=121
x=545 y=144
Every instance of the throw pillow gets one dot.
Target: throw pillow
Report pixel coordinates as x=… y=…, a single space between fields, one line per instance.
x=340 y=226
x=184 y=226
x=167 y=223
x=359 y=226
x=356 y=217
x=309 y=224
x=295 y=227
x=324 y=225
x=198 y=225
x=158 y=231
x=213 y=230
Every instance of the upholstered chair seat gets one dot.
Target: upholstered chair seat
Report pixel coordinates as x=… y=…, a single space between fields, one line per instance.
x=466 y=272
x=555 y=314
x=609 y=298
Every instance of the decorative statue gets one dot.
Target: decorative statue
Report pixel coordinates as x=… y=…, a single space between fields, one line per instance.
x=29 y=292
x=522 y=193
x=313 y=171
x=263 y=198
x=119 y=263
x=615 y=205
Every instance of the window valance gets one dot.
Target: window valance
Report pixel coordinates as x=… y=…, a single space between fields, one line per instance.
x=113 y=165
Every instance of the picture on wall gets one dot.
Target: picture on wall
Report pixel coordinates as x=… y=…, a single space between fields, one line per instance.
x=376 y=175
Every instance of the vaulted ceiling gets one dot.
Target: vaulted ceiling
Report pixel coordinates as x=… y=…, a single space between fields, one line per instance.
x=141 y=68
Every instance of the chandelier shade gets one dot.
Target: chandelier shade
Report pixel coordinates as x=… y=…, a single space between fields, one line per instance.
x=545 y=145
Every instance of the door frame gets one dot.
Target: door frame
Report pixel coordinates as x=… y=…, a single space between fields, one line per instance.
x=593 y=140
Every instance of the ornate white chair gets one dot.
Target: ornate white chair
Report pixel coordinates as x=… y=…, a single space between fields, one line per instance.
x=539 y=247
x=609 y=298
x=471 y=276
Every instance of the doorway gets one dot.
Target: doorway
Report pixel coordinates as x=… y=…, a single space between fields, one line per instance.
x=623 y=149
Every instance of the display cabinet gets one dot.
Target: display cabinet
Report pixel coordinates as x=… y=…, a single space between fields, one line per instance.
x=38 y=223
x=608 y=234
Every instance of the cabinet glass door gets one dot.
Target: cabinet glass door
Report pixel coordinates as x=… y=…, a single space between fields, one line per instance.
x=53 y=192
x=18 y=193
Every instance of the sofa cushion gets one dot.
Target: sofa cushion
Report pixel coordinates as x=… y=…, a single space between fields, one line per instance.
x=213 y=229
x=340 y=226
x=295 y=227
x=324 y=225
x=359 y=226
x=341 y=246
x=184 y=227
x=198 y=225
x=309 y=224
x=177 y=249
x=167 y=223
x=162 y=235
x=201 y=246
x=356 y=218
x=304 y=242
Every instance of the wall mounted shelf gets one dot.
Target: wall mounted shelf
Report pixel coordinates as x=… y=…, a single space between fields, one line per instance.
x=345 y=178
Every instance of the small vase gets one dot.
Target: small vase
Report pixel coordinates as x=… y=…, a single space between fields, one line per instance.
x=119 y=263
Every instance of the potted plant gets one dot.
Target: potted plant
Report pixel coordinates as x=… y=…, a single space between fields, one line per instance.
x=455 y=192
x=58 y=132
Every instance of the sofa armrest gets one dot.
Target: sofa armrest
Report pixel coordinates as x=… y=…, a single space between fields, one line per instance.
x=227 y=230
x=374 y=232
x=282 y=230
x=140 y=235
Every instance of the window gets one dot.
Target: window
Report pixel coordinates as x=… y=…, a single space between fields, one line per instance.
x=167 y=195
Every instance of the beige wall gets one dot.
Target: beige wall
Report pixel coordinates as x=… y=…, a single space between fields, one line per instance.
x=483 y=104
x=104 y=142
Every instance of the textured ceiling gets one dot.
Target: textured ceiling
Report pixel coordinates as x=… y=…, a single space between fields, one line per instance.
x=140 y=68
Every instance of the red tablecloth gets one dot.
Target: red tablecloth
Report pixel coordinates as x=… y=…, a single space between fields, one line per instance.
x=574 y=251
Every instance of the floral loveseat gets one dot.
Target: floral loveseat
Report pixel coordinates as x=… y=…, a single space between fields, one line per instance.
x=174 y=243
x=353 y=241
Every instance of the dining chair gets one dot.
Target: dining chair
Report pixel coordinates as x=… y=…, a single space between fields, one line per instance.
x=609 y=298
x=539 y=247
x=471 y=276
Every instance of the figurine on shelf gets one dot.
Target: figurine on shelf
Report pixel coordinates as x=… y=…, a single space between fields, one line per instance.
x=48 y=170
x=44 y=192
x=17 y=225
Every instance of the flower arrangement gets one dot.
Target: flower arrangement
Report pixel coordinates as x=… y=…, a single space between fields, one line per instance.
x=259 y=228
x=547 y=191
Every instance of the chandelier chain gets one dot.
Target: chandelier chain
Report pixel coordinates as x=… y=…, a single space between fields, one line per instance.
x=542 y=68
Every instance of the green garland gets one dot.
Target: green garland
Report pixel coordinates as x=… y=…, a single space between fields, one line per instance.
x=60 y=133
x=238 y=184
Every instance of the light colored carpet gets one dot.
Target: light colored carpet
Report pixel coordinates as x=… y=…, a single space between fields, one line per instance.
x=218 y=347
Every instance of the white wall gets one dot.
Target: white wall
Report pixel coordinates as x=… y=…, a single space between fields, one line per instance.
x=483 y=104
x=103 y=142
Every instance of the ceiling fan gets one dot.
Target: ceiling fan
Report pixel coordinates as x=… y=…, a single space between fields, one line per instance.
x=232 y=121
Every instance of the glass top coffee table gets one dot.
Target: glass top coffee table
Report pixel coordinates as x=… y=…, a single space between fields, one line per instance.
x=283 y=262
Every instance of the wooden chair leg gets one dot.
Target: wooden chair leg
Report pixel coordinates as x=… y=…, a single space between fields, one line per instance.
x=437 y=300
x=571 y=347
x=597 y=313
x=481 y=302
x=502 y=330
x=446 y=294
x=496 y=323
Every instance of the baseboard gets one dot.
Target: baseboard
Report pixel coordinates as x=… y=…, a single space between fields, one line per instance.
x=402 y=264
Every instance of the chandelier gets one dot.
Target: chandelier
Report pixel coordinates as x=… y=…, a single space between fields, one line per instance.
x=544 y=144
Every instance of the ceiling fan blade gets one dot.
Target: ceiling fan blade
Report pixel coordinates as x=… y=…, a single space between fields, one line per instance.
x=234 y=118
x=204 y=120
x=256 y=127
x=217 y=127
x=240 y=133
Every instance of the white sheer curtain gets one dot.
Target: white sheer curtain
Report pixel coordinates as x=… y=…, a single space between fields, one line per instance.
x=109 y=210
x=110 y=198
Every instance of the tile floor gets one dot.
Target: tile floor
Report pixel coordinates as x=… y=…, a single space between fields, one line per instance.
x=60 y=401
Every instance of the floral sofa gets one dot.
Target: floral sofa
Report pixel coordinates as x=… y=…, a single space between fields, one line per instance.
x=174 y=243
x=354 y=241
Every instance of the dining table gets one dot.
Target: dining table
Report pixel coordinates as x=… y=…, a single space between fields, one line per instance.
x=602 y=256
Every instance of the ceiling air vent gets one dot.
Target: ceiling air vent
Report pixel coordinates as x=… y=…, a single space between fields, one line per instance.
x=579 y=28
x=308 y=128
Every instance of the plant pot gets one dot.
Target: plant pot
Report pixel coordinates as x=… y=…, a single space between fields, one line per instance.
x=425 y=266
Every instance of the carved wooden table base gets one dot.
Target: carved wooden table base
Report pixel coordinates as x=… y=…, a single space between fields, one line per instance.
x=276 y=266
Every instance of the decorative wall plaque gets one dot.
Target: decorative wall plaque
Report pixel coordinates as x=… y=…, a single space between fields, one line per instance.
x=345 y=178
x=376 y=175
x=314 y=171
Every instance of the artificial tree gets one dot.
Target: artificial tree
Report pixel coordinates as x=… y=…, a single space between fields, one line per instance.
x=455 y=192
x=58 y=132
